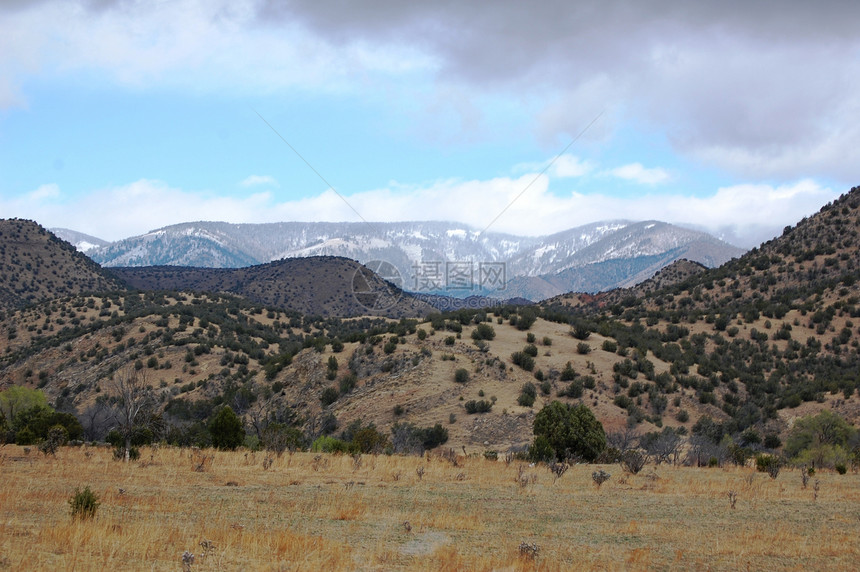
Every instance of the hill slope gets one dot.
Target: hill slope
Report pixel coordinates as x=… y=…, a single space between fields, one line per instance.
x=35 y=265
x=320 y=285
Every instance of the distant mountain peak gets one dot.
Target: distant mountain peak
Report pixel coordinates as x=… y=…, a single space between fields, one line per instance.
x=628 y=251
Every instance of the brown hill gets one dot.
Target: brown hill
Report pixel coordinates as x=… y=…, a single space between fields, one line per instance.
x=35 y=266
x=741 y=350
x=318 y=285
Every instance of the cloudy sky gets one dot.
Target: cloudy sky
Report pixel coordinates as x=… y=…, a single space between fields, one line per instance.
x=118 y=117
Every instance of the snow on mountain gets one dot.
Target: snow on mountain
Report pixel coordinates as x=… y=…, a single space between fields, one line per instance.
x=83 y=242
x=438 y=254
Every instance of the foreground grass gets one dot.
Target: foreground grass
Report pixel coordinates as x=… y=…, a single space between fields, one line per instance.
x=308 y=512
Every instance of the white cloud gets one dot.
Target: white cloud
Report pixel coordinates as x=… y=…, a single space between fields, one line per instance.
x=565 y=166
x=255 y=180
x=763 y=89
x=748 y=213
x=45 y=192
x=638 y=174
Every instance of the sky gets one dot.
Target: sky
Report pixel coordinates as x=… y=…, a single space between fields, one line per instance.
x=120 y=117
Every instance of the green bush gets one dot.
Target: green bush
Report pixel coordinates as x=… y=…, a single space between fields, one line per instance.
x=328 y=444
x=227 y=429
x=523 y=360
x=481 y=406
x=483 y=331
x=461 y=375
x=768 y=464
x=84 y=504
x=568 y=373
x=347 y=383
x=328 y=396
x=583 y=348
x=572 y=431
x=541 y=451
x=580 y=331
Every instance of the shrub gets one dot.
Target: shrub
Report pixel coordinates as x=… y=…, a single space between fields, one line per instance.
x=483 y=331
x=481 y=406
x=767 y=464
x=526 y=319
x=610 y=346
x=422 y=334
x=572 y=431
x=541 y=451
x=580 y=331
x=461 y=376
x=523 y=360
x=84 y=504
x=227 y=429
x=530 y=338
x=772 y=441
x=599 y=477
x=583 y=348
x=57 y=437
x=328 y=444
x=530 y=350
x=568 y=374
x=347 y=383
x=526 y=400
x=841 y=468
x=328 y=396
x=632 y=461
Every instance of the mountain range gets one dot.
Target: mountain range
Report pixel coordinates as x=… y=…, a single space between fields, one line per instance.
x=431 y=257
x=742 y=350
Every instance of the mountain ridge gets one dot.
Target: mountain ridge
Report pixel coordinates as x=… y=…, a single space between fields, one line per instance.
x=415 y=247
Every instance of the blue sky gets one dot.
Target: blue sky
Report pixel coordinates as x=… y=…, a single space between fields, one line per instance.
x=118 y=117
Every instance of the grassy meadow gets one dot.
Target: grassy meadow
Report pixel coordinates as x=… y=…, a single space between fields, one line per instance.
x=246 y=511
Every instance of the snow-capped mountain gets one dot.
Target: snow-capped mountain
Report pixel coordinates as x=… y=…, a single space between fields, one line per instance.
x=436 y=257
x=83 y=242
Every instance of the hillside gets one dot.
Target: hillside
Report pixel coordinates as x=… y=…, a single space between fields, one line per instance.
x=320 y=285
x=724 y=359
x=762 y=338
x=35 y=266
x=591 y=258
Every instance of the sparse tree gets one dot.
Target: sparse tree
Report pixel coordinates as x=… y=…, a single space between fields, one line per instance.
x=133 y=399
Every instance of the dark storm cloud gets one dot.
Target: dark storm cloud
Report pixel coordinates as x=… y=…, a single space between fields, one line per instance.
x=765 y=88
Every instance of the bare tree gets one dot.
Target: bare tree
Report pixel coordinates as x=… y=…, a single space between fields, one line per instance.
x=663 y=447
x=96 y=419
x=624 y=439
x=133 y=399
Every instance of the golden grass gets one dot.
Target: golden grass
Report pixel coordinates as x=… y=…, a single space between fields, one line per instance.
x=308 y=512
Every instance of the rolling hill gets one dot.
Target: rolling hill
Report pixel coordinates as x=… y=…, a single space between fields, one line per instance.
x=319 y=285
x=736 y=352
x=36 y=266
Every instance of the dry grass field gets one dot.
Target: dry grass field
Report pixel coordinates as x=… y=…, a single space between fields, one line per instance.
x=311 y=512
